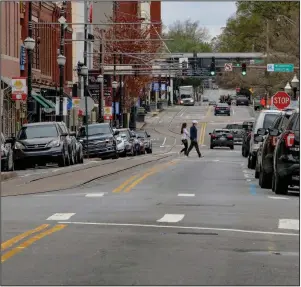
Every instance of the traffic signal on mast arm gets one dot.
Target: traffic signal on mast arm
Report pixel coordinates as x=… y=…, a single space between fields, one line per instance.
x=243 y=69
x=212 y=67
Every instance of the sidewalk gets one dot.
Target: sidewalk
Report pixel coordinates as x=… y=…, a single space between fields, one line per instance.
x=148 y=116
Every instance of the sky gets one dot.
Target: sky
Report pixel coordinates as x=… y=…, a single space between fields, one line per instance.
x=212 y=15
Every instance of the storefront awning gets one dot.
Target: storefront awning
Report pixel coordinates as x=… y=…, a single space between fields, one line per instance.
x=42 y=101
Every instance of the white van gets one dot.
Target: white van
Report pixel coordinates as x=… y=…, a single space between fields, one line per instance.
x=264 y=120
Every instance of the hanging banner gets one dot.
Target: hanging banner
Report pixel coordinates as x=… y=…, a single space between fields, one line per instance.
x=108 y=113
x=19 y=88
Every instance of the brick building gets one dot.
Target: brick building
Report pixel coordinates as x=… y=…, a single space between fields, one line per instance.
x=45 y=72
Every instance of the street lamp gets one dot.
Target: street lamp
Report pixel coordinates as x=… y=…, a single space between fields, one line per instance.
x=114 y=86
x=84 y=72
x=121 y=85
x=61 y=60
x=287 y=88
x=29 y=44
x=100 y=101
x=295 y=84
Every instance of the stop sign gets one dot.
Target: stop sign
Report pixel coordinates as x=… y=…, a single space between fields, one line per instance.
x=281 y=100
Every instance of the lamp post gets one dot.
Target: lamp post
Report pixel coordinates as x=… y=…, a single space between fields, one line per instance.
x=288 y=88
x=61 y=60
x=84 y=74
x=295 y=84
x=121 y=104
x=29 y=44
x=100 y=101
x=114 y=86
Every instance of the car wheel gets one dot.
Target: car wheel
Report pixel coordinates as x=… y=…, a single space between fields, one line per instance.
x=19 y=165
x=211 y=146
x=10 y=163
x=251 y=162
x=81 y=157
x=232 y=147
x=72 y=157
x=116 y=155
x=150 y=150
x=67 y=160
x=62 y=161
x=280 y=184
x=229 y=115
x=265 y=180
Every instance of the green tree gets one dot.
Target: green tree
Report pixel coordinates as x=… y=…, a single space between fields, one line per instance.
x=188 y=37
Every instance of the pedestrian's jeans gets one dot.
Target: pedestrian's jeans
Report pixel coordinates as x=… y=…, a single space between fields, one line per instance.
x=194 y=144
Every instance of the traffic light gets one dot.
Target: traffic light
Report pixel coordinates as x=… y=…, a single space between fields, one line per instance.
x=212 y=67
x=244 y=69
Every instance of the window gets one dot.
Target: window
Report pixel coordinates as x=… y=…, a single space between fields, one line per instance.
x=124 y=134
x=96 y=130
x=269 y=119
x=40 y=131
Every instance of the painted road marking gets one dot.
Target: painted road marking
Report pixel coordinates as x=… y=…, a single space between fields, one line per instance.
x=163 y=143
x=288 y=224
x=60 y=216
x=186 y=194
x=30 y=241
x=94 y=194
x=181 y=227
x=171 y=218
x=123 y=185
x=277 y=197
x=5 y=245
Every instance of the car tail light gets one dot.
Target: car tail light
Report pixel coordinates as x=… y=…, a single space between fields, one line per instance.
x=273 y=141
x=216 y=108
x=213 y=136
x=230 y=137
x=289 y=139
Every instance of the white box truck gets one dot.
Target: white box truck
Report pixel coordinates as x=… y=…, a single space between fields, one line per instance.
x=186 y=95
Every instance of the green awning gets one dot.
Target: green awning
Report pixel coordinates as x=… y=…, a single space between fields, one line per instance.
x=42 y=101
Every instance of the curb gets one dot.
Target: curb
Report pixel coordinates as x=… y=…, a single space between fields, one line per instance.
x=8 y=175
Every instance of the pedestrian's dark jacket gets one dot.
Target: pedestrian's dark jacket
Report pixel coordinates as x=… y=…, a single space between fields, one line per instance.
x=193 y=133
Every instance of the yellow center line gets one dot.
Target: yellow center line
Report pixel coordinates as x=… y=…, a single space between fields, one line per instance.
x=7 y=244
x=30 y=241
x=204 y=133
x=151 y=172
x=123 y=185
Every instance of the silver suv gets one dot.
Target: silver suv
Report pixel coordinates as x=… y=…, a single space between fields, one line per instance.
x=264 y=120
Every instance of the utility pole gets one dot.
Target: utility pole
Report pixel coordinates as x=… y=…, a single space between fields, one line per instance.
x=267 y=57
x=114 y=62
x=86 y=77
x=29 y=64
x=100 y=99
x=121 y=96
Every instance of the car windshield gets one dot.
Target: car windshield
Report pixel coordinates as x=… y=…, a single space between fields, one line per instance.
x=269 y=119
x=234 y=126
x=40 y=131
x=96 y=130
x=124 y=134
x=141 y=134
x=185 y=96
x=222 y=131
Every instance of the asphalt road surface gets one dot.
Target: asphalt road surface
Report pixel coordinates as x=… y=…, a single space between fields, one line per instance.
x=183 y=221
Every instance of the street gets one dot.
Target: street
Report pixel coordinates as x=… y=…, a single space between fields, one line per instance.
x=165 y=219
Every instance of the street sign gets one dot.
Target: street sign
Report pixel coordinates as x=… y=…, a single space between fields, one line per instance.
x=281 y=100
x=90 y=105
x=228 y=67
x=284 y=68
x=69 y=104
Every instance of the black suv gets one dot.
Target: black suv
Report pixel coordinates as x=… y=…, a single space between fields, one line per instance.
x=100 y=140
x=286 y=163
x=264 y=166
x=40 y=143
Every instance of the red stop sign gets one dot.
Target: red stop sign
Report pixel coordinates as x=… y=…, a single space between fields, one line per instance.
x=281 y=100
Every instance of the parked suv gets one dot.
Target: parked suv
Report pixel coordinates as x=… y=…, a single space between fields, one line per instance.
x=286 y=162
x=264 y=166
x=264 y=120
x=40 y=143
x=100 y=140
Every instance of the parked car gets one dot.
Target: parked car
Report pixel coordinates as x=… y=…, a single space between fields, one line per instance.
x=242 y=101
x=264 y=164
x=247 y=127
x=128 y=139
x=222 y=109
x=221 y=138
x=139 y=147
x=145 y=137
x=286 y=161
x=237 y=132
x=40 y=143
x=264 y=120
x=7 y=157
x=205 y=99
x=79 y=153
x=71 y=143
x=100 y=140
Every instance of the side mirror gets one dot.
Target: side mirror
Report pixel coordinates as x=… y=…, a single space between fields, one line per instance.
x=258 y=138
x=262 y=132
x=116 y=133
x=273 y=132
x=64 y=134
x=73 y=134
x=148 y=136
x=209 y=134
